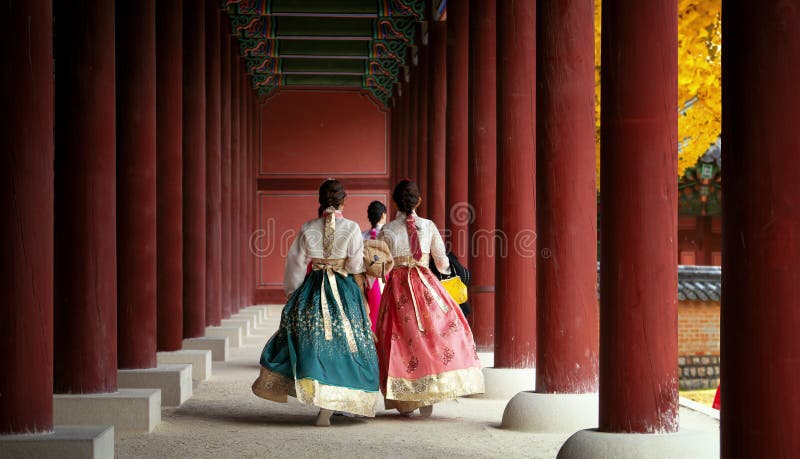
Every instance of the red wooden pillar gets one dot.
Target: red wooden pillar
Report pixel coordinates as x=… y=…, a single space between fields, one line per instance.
x=244 y=147
x=437 y=100
x=638 y=276
x=194 y=172
x=169 y=173
x=422 y=124
x=213 y=167
x=225 y=109
x=136 y=184
x=85 y=206
x=248 y=184
x=567 y=318
x=26 y=234
x=483 y=167
x=515 y=299
x=236 y=158
x=394 y=176
x=413 y=124
x=761 y=230
x=404 y=122
x=457 y=203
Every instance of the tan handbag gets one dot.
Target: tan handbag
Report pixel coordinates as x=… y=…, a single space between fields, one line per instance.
x=378 y=259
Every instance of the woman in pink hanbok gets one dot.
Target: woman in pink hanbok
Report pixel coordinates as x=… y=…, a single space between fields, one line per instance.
x=426 y=352
x=376 y=213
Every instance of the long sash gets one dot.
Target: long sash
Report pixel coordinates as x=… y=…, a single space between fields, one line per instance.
x=331 y=266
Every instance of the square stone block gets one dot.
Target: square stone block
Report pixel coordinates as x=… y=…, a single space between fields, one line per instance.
x=254 y=317
x=131 y=410
x=244 y=324
x=95 y=442
x=232 y=334
x=219 y=346
x=200 y=360
x=261 y=309
x=175 y=382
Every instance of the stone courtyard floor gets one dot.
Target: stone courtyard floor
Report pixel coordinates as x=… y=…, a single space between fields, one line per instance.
x=224 y=419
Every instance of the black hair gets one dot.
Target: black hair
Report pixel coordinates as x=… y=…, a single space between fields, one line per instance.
x=375 y=211
x=331 y=194
x=406 y=196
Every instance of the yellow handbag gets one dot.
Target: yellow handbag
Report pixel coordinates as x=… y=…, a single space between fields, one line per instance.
x=456 y=288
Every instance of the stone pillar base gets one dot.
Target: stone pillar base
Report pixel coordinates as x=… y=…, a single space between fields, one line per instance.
x=233 y=334
x=262 y=310
x=129 y=410
x=504 y=383
x=200 y=361
x=273 y=311
x=252 y=316
x=95 y=442
x=175 y=382
x=219 y=346
x=244 y=324
x=602 y=445
x=551 y=413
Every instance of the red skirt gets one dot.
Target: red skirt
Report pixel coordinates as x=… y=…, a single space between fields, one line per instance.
x=426 y=351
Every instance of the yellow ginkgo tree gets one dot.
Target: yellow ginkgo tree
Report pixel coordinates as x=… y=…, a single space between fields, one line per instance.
x=699 y=101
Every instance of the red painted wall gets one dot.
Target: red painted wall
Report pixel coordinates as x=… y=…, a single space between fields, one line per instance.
x=323 y=133
x=308 y=136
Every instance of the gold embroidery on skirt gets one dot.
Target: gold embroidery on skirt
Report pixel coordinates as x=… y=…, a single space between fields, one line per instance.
x=436 y=388
x=312 y=392
x=272 y=386
x=277 y=388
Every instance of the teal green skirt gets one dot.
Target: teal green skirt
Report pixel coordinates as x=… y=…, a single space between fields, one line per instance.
x=324 y=356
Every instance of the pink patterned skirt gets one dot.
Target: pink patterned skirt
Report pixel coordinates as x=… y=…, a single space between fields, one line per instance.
x=374 y=300
x=426 y=352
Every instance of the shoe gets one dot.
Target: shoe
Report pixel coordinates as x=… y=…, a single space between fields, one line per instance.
x=323 y=418
x=426 y=411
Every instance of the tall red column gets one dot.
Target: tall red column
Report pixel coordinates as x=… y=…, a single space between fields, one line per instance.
x=169 y=173
x=413 y=124
x=225 y=108
x=457 y=206
x=437 y=100
x=422 y=125
x=236 y=158
x=248 y=184
x=136 y=184
x=761 y=230
x=85 y=205
x=26 y=234
x=483 y=167
x=403 y=132
x=566 y=208
x=515 y=268
x=244 y=149
x=638 y=274
x=213 y=302
x=194 y=172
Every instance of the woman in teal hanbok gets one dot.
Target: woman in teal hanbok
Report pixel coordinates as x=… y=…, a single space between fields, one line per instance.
x=323 y=353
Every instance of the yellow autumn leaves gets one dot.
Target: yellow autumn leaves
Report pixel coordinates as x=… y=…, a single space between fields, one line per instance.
x=699 y=101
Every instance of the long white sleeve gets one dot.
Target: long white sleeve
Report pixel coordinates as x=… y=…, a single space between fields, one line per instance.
x=355 y=252
x=438 y=252
x=296 y=264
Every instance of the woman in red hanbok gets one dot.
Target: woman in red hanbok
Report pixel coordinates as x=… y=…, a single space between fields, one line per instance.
x=426 y=352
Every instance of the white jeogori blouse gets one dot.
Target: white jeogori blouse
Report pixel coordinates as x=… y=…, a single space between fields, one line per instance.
x=348 y=244
x=430 y=241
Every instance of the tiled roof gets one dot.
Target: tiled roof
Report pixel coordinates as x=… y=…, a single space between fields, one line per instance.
x=697 y=283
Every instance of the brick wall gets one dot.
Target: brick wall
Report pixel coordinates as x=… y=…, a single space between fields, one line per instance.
x=698 y=328
x=698 y=344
